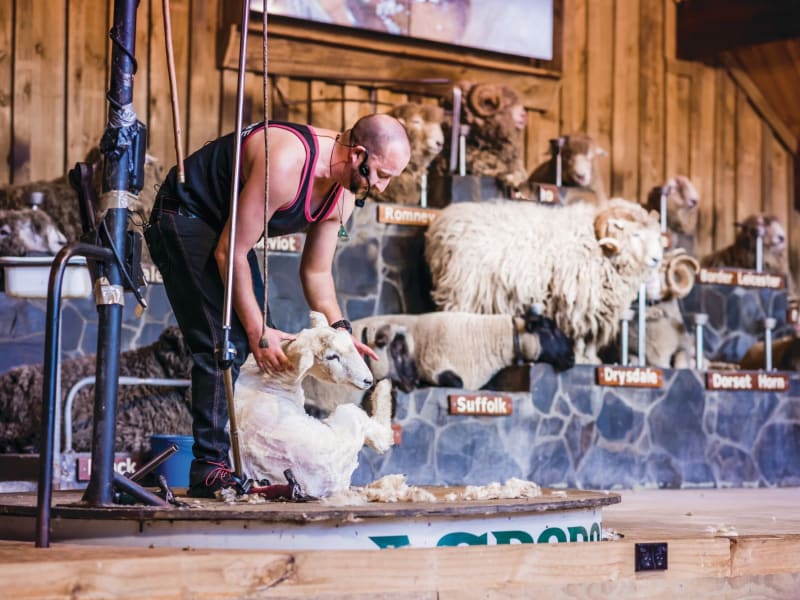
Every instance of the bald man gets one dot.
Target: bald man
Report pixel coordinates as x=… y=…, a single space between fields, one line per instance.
x=315 y=176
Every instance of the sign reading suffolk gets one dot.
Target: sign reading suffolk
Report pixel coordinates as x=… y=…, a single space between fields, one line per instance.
x=640 y=377
x=747 y=381
x=741 y=277
x=406 y=215
x=483 y=405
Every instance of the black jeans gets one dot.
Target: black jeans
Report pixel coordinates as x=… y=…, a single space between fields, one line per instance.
x=182 y=247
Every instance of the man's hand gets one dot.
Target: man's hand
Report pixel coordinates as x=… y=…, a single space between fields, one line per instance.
x=364 y=350
x=272 y=357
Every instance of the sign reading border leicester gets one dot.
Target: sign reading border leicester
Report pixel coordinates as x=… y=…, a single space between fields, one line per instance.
x=406 y=215
x=742 y=278
x=747 y=381
x=642 y=377
x=496 y=405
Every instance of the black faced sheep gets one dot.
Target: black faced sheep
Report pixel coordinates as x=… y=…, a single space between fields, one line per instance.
x=584 y=265
x=494 y=144
x=579 y=157
x=395 y=349
x=142 y=410
x=742 y=253
x=276 y=433
x=29 y=232
x=464 y=350
x=423 y=123
x=667 y=343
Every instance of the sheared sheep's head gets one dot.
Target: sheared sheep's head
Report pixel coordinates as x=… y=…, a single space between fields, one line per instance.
x=328 y=354
x=774 y=235
x=675 y=278
x=682 y=203
x=541 y=340
x=395 y=349
x=28 y=232
x=423 y=123
x=629 y=236
x=577 y=159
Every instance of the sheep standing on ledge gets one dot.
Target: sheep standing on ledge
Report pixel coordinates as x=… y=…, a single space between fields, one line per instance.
x=276 y=433
x=584 y=265
x=682 y=208
x=423 y=123
x=29 y=232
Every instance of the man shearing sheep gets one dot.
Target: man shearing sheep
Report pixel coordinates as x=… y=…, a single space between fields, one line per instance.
x=315 y=176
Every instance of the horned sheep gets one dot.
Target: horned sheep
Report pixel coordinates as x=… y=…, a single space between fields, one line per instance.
x=584 y=265
x=423 y=123
x=275 y=431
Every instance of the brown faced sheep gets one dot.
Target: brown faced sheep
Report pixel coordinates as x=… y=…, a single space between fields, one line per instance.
x=423 y=123
x=142 y=410
x=682 y=208
x=579 y=157
x=29 y=232
x=494 y=145
x=584 y=265
x=742 y=253
x=275 y=431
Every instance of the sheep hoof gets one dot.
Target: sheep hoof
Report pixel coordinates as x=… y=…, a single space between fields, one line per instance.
x=449 y=379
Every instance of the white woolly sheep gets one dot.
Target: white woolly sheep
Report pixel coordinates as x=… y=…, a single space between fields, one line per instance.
x=583 y=265
x=494 y=143
x=464 y=350
x=276 y=433
x=395 y=349
x=423 y=123
x=29 y=232
x=142 y=410
x=667 y=343
x=579 y=168
x=742 y=253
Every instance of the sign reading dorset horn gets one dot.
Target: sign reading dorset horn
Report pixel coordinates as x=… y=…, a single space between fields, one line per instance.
x=747 y=381
x=480 y=405
x=406 y=215
x=641 y=377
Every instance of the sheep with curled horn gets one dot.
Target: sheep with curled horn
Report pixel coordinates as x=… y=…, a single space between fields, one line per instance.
x=496 y=121
x=584 y=265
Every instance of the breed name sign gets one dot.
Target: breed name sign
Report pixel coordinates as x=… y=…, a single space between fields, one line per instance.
x=745 y=381
x=405 y=215
x=640 y=377
x=741 y=278
x=480 y=405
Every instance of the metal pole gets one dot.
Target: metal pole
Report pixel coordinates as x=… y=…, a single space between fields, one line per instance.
x=642 y=339
x=700 y=319
x=769 y=325
x=226 y=353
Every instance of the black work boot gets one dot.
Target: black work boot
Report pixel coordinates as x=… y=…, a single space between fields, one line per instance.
x=206 y=477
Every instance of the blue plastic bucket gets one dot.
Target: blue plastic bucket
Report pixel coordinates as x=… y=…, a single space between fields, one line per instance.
x=176 y=467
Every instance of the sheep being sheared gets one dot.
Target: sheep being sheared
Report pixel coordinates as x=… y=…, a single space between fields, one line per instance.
x=395 y=349
x=742 y=253
x=682 y=208
x=582 y=264
x=464 y=350
x=579 y=157
x=423 y=123
x=29 y=232
x=276 y=433
x=494 y=144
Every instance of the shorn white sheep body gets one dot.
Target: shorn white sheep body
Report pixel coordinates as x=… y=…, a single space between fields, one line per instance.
x=465 y=350
x=276 y=433
x=584 y=265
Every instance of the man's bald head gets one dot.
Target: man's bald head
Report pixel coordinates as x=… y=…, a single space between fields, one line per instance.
x=381 y=134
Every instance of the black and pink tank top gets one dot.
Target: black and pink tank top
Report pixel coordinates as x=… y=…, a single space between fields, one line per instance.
x=209 y=171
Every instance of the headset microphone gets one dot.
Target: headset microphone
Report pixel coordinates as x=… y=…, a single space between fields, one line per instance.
x=363 y=169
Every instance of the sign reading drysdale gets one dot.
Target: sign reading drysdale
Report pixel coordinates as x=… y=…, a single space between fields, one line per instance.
x=480 y=405
x=643 y=377
x=747 y=381
x=406 y=215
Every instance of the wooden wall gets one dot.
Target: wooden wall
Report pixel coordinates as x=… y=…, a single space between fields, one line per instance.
x=620 y=81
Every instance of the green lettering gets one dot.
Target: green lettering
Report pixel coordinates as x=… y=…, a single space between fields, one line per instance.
x=507 y=537
x=594 y=533
x=552 y=532
x=390 y=541
x=460 y=538
x=575 y=532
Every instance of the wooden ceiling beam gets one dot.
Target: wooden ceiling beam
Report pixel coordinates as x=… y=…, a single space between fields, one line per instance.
x=707 y=27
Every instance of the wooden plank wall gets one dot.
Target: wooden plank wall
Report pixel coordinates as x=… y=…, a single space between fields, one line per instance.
x=657 y=116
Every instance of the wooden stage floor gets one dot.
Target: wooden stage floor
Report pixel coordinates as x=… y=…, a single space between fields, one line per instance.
x=729 y=544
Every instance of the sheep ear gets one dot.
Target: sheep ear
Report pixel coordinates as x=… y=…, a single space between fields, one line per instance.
x=609 y=245
x=318 y=319
x=382 y=336
x=656 y=215
x=601 y=151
